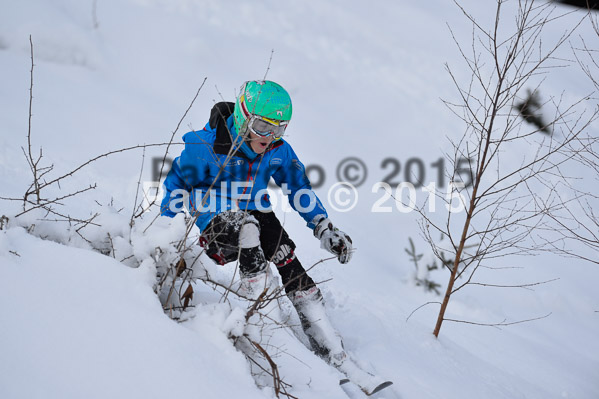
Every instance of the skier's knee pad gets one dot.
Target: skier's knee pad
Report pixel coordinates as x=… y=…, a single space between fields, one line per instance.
x=251 y=258
x=224 y=237
x=249 y=236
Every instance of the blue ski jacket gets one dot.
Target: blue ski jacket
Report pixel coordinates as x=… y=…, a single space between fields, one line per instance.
x=218 y=171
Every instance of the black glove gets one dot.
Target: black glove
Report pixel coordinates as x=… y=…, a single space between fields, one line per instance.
x=333 y=240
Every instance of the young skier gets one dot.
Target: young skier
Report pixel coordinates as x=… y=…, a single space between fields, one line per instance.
x=225 y=169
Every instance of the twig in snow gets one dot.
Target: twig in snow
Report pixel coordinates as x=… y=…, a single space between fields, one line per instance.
x=171 y=141
x=420 y=307
x=501 y=324
x=143 y=158
x=32 y=163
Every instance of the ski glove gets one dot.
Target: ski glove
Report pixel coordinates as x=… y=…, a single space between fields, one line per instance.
x=333 y=240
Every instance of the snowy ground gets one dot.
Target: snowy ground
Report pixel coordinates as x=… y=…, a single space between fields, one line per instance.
x=366 y=80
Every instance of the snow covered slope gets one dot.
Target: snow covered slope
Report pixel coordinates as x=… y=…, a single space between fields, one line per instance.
x=365 y=78
x=78 y=324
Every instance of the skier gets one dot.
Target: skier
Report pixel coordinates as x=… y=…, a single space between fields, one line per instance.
x=224 y=170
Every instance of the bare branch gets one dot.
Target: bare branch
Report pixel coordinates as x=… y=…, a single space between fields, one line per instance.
x=502 y=323
x=420 y=307
x=503 y=207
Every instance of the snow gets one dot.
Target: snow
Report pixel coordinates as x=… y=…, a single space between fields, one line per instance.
x=79 y=317
x=77 y=323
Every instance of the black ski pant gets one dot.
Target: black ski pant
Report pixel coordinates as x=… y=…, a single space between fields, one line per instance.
x=221 y=240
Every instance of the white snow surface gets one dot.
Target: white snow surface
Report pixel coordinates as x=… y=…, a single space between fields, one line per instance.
x=79 y=324
x=366 y=80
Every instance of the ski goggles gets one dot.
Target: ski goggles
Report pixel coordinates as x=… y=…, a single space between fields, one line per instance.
x=266 y=127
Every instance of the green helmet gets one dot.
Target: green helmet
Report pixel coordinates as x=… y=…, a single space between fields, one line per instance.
x=264 y=99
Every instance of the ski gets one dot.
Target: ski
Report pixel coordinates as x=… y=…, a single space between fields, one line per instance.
x=381 y=387
x=378 y=388
x=368 y=383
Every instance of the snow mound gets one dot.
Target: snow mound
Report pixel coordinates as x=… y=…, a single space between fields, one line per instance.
x=79 y=324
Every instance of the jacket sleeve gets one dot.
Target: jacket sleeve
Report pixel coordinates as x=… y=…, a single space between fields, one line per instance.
x=188 y=170
x=173 y=189
x=193 y=162
x=291 y=177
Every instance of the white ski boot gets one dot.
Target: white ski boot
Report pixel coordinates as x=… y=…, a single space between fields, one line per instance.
x=252 y=287
x=325 y=341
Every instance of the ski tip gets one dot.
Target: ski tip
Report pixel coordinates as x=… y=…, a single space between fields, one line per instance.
x=380 y=387
x=343 y=381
